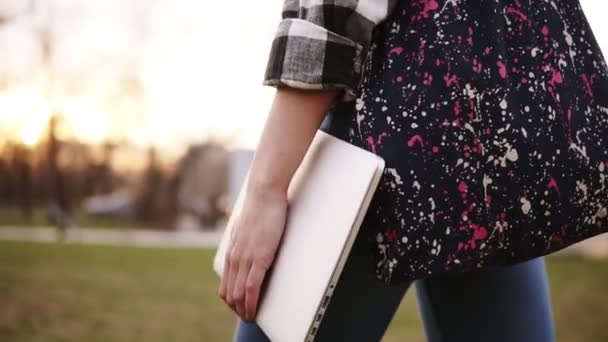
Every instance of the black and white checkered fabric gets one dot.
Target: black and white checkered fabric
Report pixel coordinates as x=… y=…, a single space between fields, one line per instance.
x=322 y=44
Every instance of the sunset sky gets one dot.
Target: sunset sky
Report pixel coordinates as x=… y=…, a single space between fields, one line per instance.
x=151 y=72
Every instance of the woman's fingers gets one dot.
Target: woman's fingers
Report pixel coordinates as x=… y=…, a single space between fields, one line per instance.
x=253 y=286
x=233 y=268
x=238 y=294
x=254 y=240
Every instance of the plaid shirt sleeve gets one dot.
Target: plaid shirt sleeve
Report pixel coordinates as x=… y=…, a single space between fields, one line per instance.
x=322 y=44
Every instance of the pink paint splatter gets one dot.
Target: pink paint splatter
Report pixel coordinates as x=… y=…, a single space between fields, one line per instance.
x=372 y=144
x=421 y=49
x=390 y=234
x=553 y=184
x=518 y=13
x=382 y=135
x=587 y=80
x=556 y=77
x=462 y=186
x=502 y=69
x=398 y=50
x=415 y=139
x=545 y=30
x=489 y=199
x=457 y=108
x=556 y=241
x=428 y=79
x=451 y=79
x=470 y=36
x=429 y=5
x=477 y=67
x=480 y=232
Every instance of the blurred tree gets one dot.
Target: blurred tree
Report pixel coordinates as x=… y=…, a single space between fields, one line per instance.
x=7 y=183
x=59 y=192
x=22 y=165
x=146 y=200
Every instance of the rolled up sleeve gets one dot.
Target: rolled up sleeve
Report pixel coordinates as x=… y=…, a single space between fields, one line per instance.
x=322 y=44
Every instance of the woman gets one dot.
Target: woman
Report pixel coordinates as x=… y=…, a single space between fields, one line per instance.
x=492 y=117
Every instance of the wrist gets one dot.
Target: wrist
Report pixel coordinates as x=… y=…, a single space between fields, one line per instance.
x=263 y=188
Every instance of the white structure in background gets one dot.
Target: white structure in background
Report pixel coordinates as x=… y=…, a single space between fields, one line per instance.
x=201 y=187
x=209 y=181
x=117 y=203
x=239 y=164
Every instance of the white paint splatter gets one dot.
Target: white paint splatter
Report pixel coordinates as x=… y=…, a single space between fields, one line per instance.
x=511 y=155
x=602 y=213
x=534 y=51
x=416 y=185
x=486 y=181
x=359 y=104
x=503 y=104
x=526 y=206
x=581 y=186
x=395 y=175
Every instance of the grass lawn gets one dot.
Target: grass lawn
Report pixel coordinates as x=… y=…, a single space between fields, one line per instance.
x=54 y=292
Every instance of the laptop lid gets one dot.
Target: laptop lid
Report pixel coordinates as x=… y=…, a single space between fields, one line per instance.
x=328 y=197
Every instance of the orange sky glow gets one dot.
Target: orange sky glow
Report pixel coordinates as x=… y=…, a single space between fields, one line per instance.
x=161 y=73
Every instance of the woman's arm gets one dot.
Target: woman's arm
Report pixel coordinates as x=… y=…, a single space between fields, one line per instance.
x=316 y=58
x=294 y=118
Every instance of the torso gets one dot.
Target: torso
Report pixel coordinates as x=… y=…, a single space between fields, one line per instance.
x=492 y=116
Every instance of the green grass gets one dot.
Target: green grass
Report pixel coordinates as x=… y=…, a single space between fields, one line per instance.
x=51 y=292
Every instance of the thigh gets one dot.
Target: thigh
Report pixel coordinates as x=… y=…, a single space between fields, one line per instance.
x=361 y=308
x=504 y=304
x=249 y=332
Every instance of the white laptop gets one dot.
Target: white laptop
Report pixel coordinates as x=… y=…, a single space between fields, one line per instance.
x=328 y=198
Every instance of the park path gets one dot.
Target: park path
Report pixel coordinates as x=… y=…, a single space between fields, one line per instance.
x=130 y=237
x=595 y=247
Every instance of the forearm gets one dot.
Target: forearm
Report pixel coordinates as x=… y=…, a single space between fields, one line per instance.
x=294 y=118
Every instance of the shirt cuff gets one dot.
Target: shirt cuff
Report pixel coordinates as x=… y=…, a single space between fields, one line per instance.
x=307 y=56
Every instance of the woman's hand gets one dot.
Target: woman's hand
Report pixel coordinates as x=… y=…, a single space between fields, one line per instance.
x=257 y=232
x=293 y=120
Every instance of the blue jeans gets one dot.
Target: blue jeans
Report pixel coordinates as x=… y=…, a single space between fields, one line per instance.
x=506 y=304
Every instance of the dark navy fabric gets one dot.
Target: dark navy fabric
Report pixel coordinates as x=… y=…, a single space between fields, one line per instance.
x=503 y=304
x=492 y=117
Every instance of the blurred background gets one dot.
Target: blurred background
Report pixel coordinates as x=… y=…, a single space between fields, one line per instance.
x=126 y=127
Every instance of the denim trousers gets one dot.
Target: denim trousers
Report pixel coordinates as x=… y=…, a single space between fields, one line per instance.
x=502 y=304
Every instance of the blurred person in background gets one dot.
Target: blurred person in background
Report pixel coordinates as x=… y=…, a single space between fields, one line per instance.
x=492 y=119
